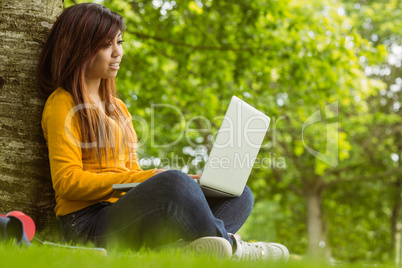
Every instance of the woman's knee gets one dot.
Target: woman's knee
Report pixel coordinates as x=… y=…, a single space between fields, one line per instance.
x=176 y=181
x=173 y=175
x=179 y=191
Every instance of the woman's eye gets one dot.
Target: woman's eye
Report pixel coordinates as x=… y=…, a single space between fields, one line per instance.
x=110 y=44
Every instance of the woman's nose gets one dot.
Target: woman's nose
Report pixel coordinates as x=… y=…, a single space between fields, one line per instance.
x=117 y=51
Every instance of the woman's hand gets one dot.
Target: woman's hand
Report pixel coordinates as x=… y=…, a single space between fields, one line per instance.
x=197 y=177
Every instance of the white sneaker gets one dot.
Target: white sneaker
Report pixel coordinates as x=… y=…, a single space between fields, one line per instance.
x=211 y=245
x=260 y=251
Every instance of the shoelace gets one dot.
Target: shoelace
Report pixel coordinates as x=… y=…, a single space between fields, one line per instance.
x=252 y=251
x=272 y=251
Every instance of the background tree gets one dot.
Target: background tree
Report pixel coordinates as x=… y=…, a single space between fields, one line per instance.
x=25 y=182
x=380 y=23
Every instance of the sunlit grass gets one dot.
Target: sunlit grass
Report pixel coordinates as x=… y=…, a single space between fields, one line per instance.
x=39 y=255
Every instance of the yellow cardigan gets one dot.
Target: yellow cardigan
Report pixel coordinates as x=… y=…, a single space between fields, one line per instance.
x=76 y=176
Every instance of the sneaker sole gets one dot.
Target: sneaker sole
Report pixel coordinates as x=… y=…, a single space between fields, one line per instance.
x=285 y=251
x=211 y=245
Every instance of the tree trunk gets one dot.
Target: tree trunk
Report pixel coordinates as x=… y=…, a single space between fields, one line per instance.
x=315 y=227
x=396 y=216
x=396 y=212
x=25 y=182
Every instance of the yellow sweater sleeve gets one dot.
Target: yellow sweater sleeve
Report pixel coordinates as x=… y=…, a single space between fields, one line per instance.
x=70 y=180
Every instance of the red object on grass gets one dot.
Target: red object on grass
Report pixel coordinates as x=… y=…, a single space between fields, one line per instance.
x=27 y=223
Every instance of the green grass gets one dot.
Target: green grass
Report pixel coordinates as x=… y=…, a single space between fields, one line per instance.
x=39 y=255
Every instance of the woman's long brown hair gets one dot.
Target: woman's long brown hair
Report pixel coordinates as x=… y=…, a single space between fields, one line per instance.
x=74 y=40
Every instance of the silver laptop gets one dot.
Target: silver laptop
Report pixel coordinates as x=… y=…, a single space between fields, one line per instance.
x=234 y=151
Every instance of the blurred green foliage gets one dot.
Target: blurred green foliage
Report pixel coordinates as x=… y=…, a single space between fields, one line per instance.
x=290 y=59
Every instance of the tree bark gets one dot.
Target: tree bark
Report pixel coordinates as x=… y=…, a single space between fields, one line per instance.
x=25 y=182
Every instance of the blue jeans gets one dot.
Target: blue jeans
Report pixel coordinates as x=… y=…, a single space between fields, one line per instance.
x=165 y=208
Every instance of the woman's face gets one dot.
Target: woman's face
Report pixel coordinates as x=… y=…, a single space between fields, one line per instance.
x=106 y=62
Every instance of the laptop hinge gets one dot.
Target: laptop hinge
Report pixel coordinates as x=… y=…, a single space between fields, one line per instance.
x=216 y=190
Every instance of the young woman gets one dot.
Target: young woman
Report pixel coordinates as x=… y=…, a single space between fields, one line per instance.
x=91 y=142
